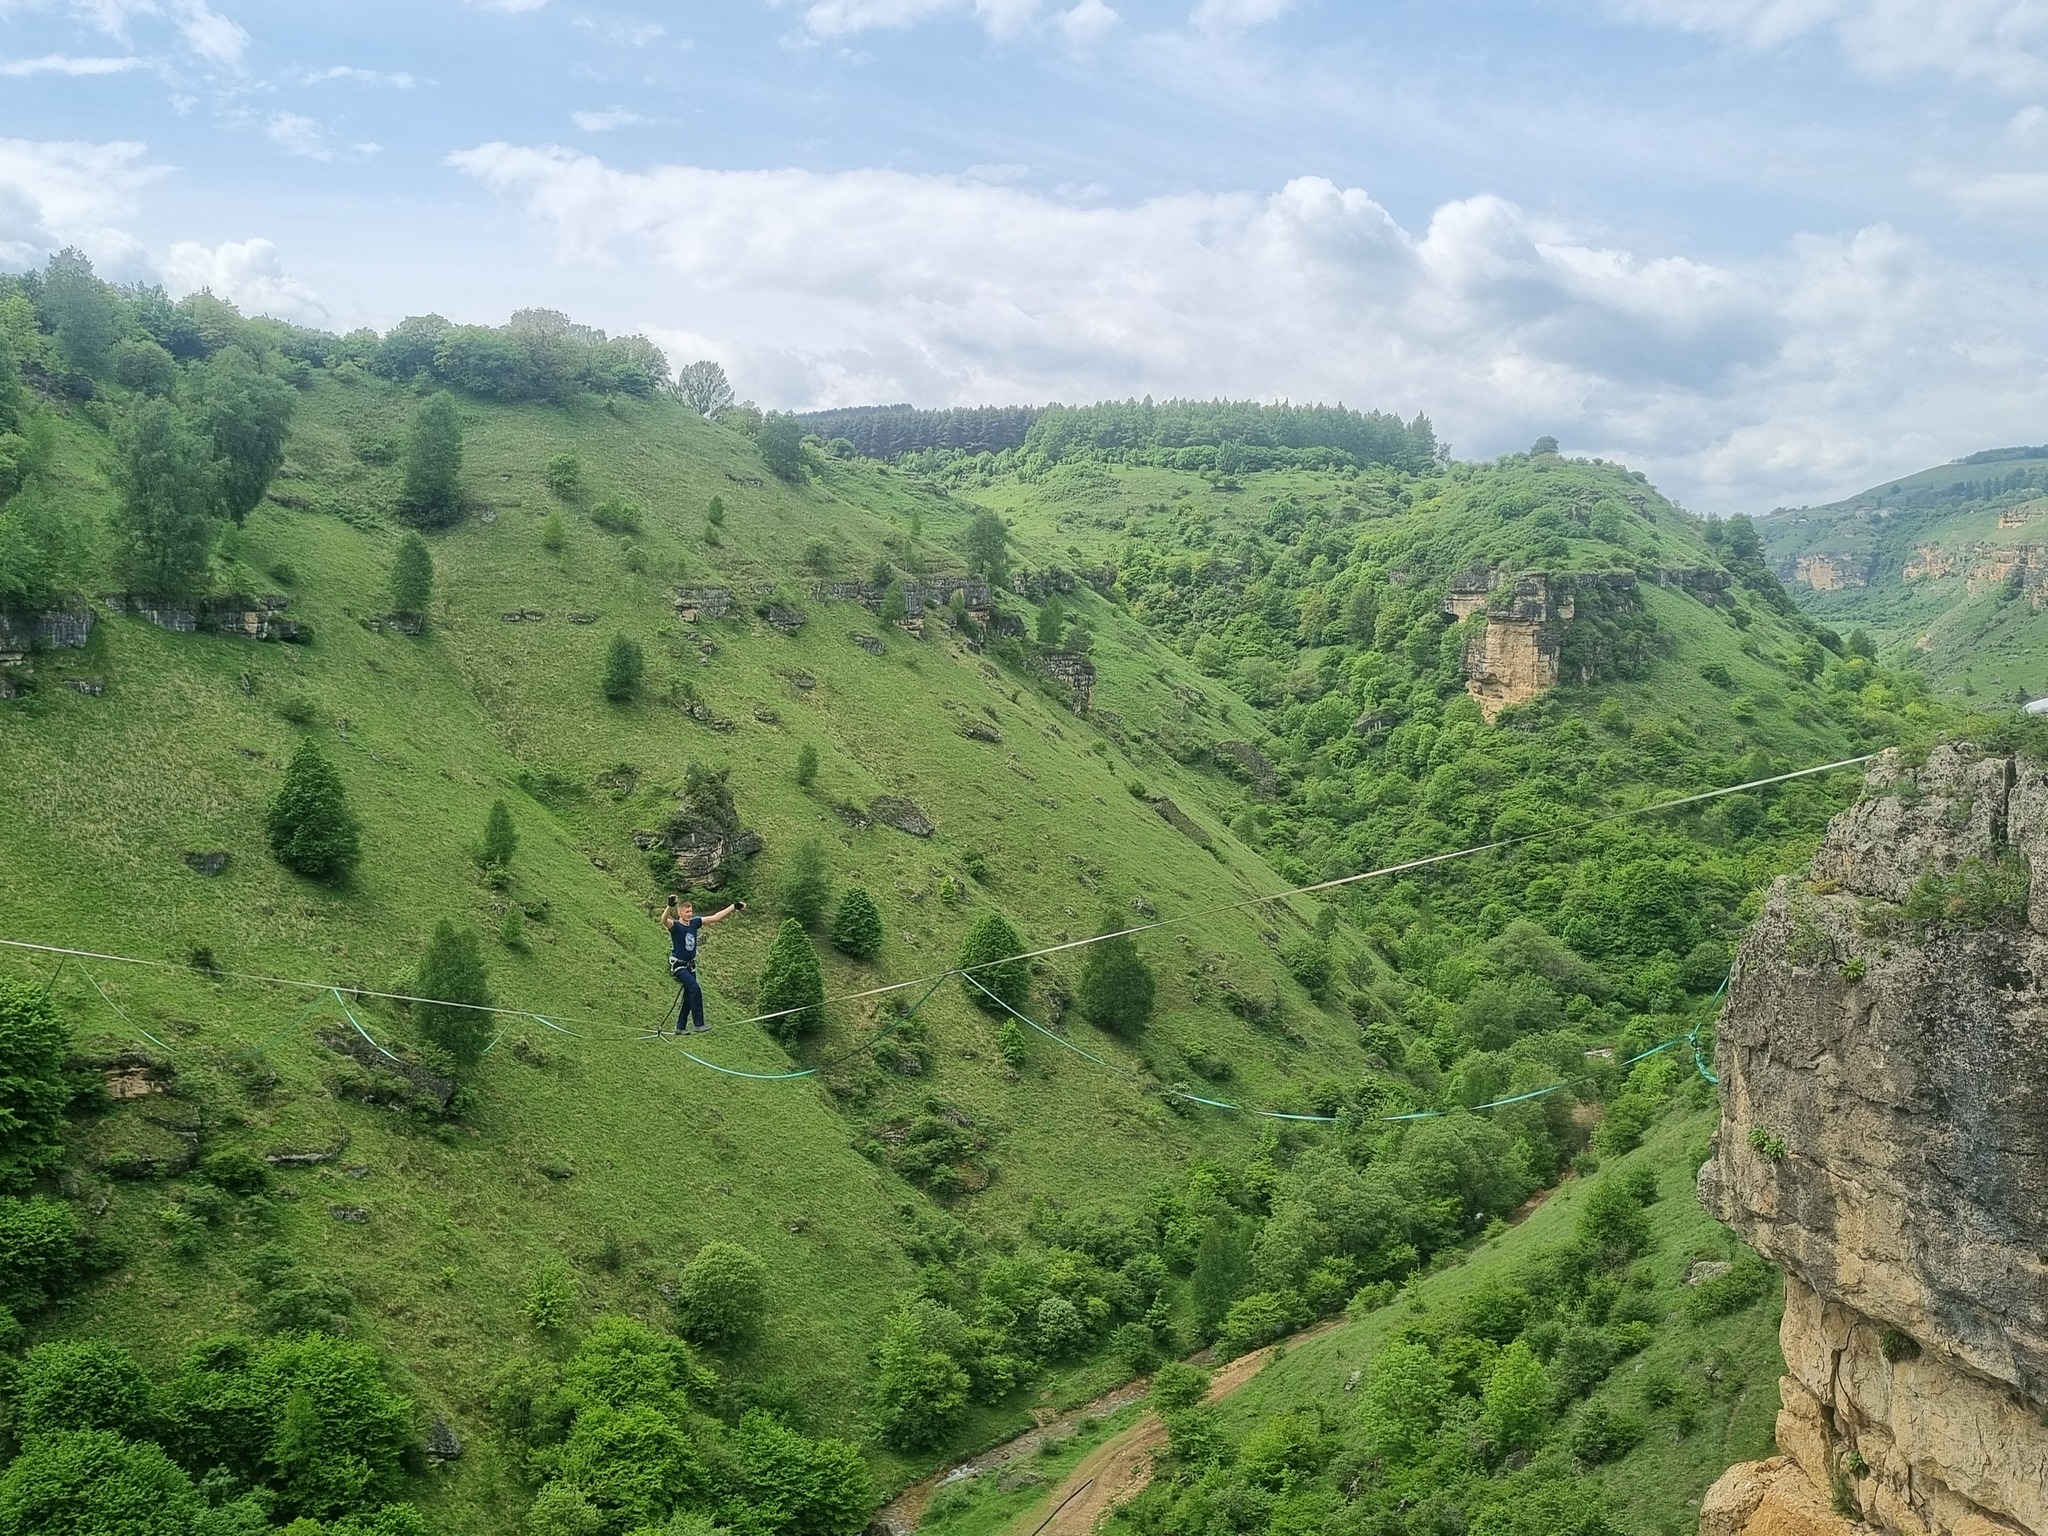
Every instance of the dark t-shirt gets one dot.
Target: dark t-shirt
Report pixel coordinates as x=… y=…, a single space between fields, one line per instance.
x=682 y=941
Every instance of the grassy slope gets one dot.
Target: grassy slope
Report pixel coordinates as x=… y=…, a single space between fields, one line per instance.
x=178 y=754
x=1655 y=1490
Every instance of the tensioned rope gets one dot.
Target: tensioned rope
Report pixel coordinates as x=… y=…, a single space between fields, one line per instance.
x=965 y=972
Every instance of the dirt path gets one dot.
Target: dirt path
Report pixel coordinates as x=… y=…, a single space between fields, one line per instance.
x=1117 y=1471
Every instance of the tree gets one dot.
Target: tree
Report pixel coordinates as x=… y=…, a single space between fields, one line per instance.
x=1543 y=445
x=895 y=604
x=39 y=1248
x=722 y=1295
x=920 y=1390
x=715 y=513
x=794 y=1484
x=704 y=388
x=501 y=838
x=792 y=985
x=138 y=363
x=339 y=1433
x=247 y=414
x=988 y=547
x=857 y=925
x=93 y=1483
x=81 y=1384
x=807 y=885
x=310 y=826
x=987 y=956
x=1052 y=618
x=412 y=577
x=781 y=441
x=624 y=664
x=452 y=972
x=81 y=310
x=1516 y=1404
x=1223 y=1268
x=165 y=520
x=806 y=766
x=1116 y=983
x=565 y=476
x=554 y=533
x=33 y=1092
x=1404 y=1398
x=432 y=464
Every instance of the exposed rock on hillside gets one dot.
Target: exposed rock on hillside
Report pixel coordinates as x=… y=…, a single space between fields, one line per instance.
x=1526 y=649
x=1884 y=1135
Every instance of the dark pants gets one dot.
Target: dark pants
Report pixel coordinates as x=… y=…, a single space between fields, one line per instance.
x=693 y=1001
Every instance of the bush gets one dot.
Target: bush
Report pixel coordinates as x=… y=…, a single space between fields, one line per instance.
x=806 y=766
x=857 y=925
x=339 y=1433
x=1012 y=1044
x=412 y=576
x=1179 y=1385
x=39 y=1250
x=452 y=971
x=554 y=534
x=920 y=1390
x=551 y=1298
x=807 y=885
x=1516 y=1403
x=88 y=1384
x=792 y=1484
x=616 y=515
x=501 y=838
x=792 y=985
x=564 y=474
x=33 y=1092
x=722 y=1296
x=1259 y=1319
x=624 y=665
x=1116 y=984
x=560 y=1510
x=987 y=955
x=1308 y=962
x=1745 y=1281
x=236 y=1170
x=311 y=829
x=94 y=1483
x=1603 y=1434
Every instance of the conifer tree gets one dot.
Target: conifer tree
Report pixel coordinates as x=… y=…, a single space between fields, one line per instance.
x=857 y=926
x=985 y=954
x=624 y=663
x=1116 y=983
x=807 y=887
x=309 y=824
x=33 y=1091
x=501 y=838
x=412 y=577
x=452 y=970
x=792 y=980
x=432 y=461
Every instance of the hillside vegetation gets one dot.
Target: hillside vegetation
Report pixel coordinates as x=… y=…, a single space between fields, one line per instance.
x=278 y=1254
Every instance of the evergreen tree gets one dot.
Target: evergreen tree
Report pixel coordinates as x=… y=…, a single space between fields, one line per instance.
x=452 y=971
x=432 y=461
x=792 y=980
x=624 y=664
x=247 y=415
x=166 y=520
x=310 y=826
x=501 y=838
x=985 y=954
x=412 y=576
x=81 y=310
x=806 y=766
x=33 y=1092
x=781 y=440
x=1116 y=983
x=857 y=925
x=807 y=886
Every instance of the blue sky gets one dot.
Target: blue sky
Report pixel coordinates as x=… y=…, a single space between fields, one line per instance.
x=1767 y=250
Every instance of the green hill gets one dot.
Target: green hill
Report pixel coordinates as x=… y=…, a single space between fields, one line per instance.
x=1202 y=678
x=1946 y=570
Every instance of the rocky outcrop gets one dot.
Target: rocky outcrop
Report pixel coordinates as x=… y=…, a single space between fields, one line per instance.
x=1884 y=1135
x=2021 y=569
x=1825 y=572
x=1073 y=670
x=1519 y=653
x=53 y=630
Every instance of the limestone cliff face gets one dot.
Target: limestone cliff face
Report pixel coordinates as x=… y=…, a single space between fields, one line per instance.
x=1884 y=1137
x=1522 y=651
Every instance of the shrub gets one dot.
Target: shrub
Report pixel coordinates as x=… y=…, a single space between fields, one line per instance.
x=412 y=576
x=616 y=515
x=624 y=665
x=857 y=925
x=792 y=985
x=311 y=829
x=297 y=709
x=791 y=1483
x=550 y=1298
x=87 y=1384
x=1516 y=1402
x=1745 y=1281
x=554 y=534
x=561 y=1510
x=452 y=971
x=1769 y=1147
x=1116 y=984
x=806 y=766
x=715 y=513
x=564 y=474
x=722 y=1295
x=1603 y=1434
x=340 y=1434
x=32 y=1088
x=920 y=1390
x=807 y=885
x=1259 y=1319
x=1012 y=1044
x=987 y=955
x=236 y=1170
x=94 y=1483
x=501 y=838
x=1179 y=1385
x=1308 y=962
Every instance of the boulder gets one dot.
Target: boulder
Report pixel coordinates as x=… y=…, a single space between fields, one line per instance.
x=902 y=814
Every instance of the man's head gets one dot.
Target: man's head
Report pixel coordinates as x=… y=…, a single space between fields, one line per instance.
x=685 y=911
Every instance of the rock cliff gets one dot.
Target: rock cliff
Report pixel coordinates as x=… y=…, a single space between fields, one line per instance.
x=1884 y=1137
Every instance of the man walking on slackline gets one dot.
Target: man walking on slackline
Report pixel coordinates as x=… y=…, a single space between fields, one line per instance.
x=681 y=920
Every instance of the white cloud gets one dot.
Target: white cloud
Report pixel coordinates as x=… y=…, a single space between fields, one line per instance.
x=509 y=7
x=56 y=192
x=397 y=80
x=1833 y=357
x=249 y=272
x=2003 y=192
x=1236 y=15
x=1998 y=43
x=67 y=64
x=209 y=34
x=297 y=134
x=1087 y=22
x=2029 y=127
x=838 y=18
x=608 y=119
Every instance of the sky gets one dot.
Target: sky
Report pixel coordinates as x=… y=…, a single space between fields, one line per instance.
x=1767 y=251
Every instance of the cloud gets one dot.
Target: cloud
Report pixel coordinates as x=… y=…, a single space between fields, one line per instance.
x=249 y=272
x=2002 y=44
x=1828 y=359
x=1001 y=18
x=58 y=192
x=297 y=134
x=1087 y=22
x=397 y=80
x=610 y=118
x=1237 y=15
x=67 y=64
x=509 y=7
x=209 y=34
